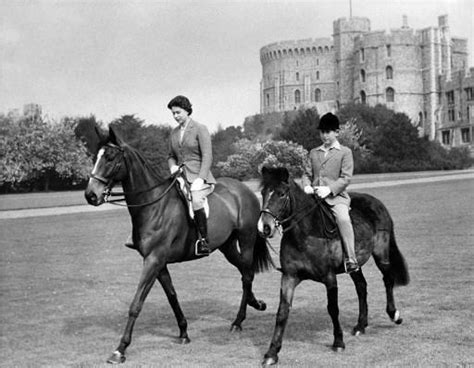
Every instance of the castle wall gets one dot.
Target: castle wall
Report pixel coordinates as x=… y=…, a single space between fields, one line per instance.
x=363 y=66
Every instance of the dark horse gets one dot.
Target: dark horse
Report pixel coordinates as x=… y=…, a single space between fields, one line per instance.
x=163 y=232
x=310 y=250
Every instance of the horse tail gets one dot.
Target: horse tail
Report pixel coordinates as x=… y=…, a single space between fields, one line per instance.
x=262 y=259
x=398 y=266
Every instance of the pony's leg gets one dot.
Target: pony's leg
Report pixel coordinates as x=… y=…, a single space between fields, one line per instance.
x=164 y=278
x=361 y=288
x=333 y=309
x=149 y=273
x=288 y=285
x=381 y=257
x=389 y=282
x=243 y=262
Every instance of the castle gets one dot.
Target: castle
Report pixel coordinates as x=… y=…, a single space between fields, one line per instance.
x=423 y=73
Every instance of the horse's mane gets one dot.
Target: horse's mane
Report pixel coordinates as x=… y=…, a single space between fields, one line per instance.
x=131 y=153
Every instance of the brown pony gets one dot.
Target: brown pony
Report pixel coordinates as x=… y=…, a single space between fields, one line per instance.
x=163 y=232
x=311 y=250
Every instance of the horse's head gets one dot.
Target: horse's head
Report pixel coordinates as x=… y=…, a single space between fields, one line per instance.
x=275 y=199
x=109 y=168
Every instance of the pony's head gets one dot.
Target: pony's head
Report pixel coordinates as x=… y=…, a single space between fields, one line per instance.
x=275 y=199
x=109 y=168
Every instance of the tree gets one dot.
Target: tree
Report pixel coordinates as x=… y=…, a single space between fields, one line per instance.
x=223 y=145
x=36 y=152
x=302 y=129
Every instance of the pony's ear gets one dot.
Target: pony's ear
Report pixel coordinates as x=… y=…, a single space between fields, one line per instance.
x=283 y=174
x=114 y=136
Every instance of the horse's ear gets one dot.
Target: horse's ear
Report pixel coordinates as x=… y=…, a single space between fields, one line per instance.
x=114 y=136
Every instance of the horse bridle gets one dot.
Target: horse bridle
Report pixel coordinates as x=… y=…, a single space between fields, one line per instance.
x=109 y=182
x=297 y=217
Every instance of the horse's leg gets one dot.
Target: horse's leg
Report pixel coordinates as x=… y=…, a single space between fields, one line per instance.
x=149 y=273
x=361 y=288
x=164 y=278
x=243 y=262
x=333 y=309
x=288 y=285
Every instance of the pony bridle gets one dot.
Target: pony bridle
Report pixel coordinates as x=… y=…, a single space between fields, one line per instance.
x=109 y=183
x=277 y=218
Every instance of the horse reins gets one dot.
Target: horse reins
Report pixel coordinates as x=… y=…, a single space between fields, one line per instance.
x=108 y=185
x=298 y=216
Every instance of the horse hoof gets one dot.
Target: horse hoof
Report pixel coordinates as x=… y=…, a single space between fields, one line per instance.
x=269 y=361
x=357 y=331
x=261 y=305
x=235 y=328
x=338 y=347
x=116 y=358
x=183 y=340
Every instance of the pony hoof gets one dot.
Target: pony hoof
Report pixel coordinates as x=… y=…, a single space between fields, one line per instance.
x=235 y=328
x=339 y=347
x=269 y=361
x=396 y=318
x=183 y=340
x=357 y=331
x=116 y=358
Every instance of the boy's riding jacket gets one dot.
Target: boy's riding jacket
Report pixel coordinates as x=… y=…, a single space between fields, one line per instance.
x=332 y=168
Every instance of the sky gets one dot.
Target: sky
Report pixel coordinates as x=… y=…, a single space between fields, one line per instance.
x=110 y=58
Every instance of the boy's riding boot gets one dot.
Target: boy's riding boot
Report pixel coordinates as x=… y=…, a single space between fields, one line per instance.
x=202 y=244
x=347 y=237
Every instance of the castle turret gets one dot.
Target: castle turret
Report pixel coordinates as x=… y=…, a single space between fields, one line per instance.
x=345 y=31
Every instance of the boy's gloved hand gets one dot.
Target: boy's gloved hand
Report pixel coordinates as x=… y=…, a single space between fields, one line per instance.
x=323 y=192
x=308 y=189
x=173 y=169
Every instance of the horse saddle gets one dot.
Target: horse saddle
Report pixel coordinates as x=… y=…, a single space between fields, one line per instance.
x=328 y=221
x=185 y=191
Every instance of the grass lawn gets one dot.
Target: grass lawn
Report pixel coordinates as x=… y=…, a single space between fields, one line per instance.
x=66 y=283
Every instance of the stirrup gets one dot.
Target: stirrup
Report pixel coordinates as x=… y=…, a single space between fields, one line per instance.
x=201 y=248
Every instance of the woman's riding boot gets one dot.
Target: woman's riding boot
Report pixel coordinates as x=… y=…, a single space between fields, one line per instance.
x=202 y=244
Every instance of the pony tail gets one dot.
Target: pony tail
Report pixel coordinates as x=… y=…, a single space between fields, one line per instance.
x=398 y=266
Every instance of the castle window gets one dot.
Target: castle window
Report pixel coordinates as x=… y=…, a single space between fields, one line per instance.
x=297 y=96
x=450 y=97
x=420 y=119
x=268 y=99
x=451 y=115
x=389 y=72
x=302 y=51
x=313 y=50
x=469 y=93
x=389 y=50
x=317 y=74
x=290 y=52
x=465 y=135
x=362 y=55
x=297 y=76
x=363 y=98
x=390 y=94
x=362 y=75
x=320 y=49
x=308 y=50
x=446 y=136
x=317 y=95
x=326 y=49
